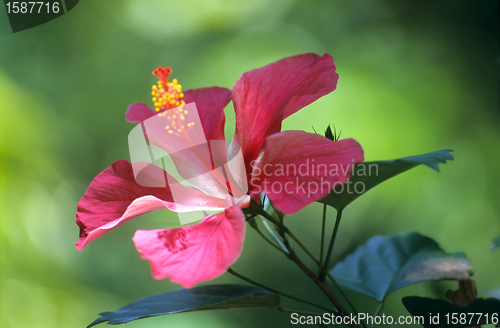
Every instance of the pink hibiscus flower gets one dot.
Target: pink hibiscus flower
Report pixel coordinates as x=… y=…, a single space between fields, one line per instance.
x=274 y=162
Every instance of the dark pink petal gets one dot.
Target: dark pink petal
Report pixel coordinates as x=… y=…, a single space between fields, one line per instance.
x=178 y=133
x=195 y=253
x=265 y=96
x=299 y=168
x=191 y=150
x=210 y=103
x=138 y=113
x=114 y=197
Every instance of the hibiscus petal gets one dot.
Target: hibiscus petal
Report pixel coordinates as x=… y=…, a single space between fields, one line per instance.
x=195 y=253
x=183 y=134
x=114 y=197
x=210 y=103
x=265 y=96
x=138 y=113
x=299 y=168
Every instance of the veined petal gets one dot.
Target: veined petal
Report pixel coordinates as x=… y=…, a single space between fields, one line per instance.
x=196 y=253
x=210 y=103
x=185 y=134
x=265 y=96
x=299 y=168
x=114 y=197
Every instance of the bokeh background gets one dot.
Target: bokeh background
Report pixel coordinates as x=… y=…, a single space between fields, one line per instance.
x=414 y=77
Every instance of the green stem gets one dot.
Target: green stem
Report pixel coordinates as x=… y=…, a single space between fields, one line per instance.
x=323 y=286
x=288 y=232
x=269 y=241
x=377 y=312
x=322 y=240
x=236 y=274
x=344 y=295
x=271 y=232
x=330 y=247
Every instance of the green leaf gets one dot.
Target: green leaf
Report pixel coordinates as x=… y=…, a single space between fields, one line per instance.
x=495 y=243
x=194 y=299
x=446 y=314
x=385 y=264
x=367 y=175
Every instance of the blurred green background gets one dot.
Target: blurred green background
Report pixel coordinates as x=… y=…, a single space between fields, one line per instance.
x=414 y=77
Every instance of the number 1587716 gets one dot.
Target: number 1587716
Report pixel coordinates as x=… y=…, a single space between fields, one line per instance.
x=37 y=7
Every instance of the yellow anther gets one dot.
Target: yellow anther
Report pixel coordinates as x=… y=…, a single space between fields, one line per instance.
x=166 y=95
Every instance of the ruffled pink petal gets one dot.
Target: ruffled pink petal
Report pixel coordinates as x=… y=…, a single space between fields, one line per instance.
x=299 y=168
x=210 y=103
x=265 y=96
x=114 y=197
x=178 y=134
x=195 y=253
x=138 y=113
x=186 y=135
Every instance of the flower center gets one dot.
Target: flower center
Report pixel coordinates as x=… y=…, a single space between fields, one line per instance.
x=166 y=95
x=167 y=98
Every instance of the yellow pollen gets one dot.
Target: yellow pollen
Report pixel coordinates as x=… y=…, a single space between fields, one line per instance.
x=166 y=95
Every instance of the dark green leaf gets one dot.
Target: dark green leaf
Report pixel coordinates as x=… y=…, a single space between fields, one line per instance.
x=194 y=299
x=385 y=264
x=367 y=175
x=495 y=244
x=446 y=314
